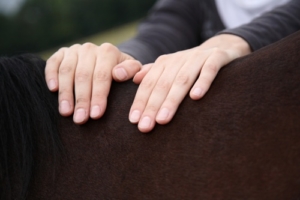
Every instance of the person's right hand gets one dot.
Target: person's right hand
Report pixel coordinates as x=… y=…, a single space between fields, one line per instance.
x=87 y=71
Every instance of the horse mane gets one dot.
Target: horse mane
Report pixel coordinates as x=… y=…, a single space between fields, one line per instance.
x=241 y=141
x=28 y=115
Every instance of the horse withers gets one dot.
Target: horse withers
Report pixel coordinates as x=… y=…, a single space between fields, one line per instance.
x=241 y=141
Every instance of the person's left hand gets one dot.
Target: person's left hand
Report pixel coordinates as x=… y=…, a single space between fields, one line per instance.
x=165 y=83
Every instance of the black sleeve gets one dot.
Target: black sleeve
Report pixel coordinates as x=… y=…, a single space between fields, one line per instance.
x=271 y=26
x=172 y=25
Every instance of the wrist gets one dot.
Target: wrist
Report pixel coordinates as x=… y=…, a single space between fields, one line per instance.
x=234 y=44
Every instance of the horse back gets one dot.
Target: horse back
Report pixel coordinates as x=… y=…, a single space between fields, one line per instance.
x=241 y=141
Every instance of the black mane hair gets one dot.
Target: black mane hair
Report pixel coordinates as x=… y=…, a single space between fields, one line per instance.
x=23 y=133
x=241 y=141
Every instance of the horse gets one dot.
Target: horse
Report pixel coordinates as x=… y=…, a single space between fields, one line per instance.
x=241 y=141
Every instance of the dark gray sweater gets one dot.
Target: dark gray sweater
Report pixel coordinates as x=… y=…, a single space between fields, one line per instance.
x=174 y=25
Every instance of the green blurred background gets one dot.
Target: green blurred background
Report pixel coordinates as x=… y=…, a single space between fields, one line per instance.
x=42 y=26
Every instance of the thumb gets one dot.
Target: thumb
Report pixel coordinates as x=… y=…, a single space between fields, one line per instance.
x=126 y=70
x=137 y=79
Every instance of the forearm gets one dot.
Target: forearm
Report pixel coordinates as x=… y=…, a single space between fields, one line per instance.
x=271 y=26
x=235 y=46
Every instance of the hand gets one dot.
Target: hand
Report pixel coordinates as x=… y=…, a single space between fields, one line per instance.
x=91 y=69
x=166 y=82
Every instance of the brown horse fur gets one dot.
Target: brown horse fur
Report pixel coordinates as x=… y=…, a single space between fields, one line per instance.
x=241 y=141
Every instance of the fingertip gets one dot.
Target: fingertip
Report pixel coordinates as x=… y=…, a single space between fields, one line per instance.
x=52 y=85
x=96 y=112
x=197 y=93
x=138 y=78
x=134 y=116
x=120 y=74
x=146 y=124
x=163 y=116
x=126 y=70
x=65 y=108
x=80 y=116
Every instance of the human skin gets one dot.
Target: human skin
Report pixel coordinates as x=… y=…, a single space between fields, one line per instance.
x=87 y=70
x=163 y=84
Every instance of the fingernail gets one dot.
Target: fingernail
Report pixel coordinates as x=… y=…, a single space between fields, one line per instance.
x=163 y=114
x=121 y=74
x=51 y=84
x=95 y=112
x=197 y=92
x=79 y=115
x=65 y=107
x=135 y=116
x=145 y=123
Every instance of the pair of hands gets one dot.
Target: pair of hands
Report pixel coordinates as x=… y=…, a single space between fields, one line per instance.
x=163 y=84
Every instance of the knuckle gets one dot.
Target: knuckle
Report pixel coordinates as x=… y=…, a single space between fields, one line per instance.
x=82 y=100
x=88 y=46
x=99 y=95
x=107 y=48
x=101 y=76
x=163 y=85
x=205 y=81
x=162 y=59
x=218 y=51
x=139 y=102
x=75 y=46
x=172 y=101
x=147 y=84
x=136 y=64
x=65 y=69
x=54 y=59
x=182 y=79
x=64 y=93
x=81 y=76
x=62 y=49
x=151 y=108
x=177 y=55
x=213 y=68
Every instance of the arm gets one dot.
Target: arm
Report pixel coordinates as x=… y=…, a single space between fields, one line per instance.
x=201 y=64
x=84 y=66
x=171 y=26
x=271 y=26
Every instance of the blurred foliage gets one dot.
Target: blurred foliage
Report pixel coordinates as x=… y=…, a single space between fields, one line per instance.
x=44 y=24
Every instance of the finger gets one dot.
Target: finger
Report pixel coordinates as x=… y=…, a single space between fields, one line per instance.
x=83 y=82
x=159 y=93
x=107 y=58
x=157 y=97
x=66 y=79
x=51 y=69
x=137 y=79
x=144 y=92
x=208 y=73
x=180 y=87
x=126 y=70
